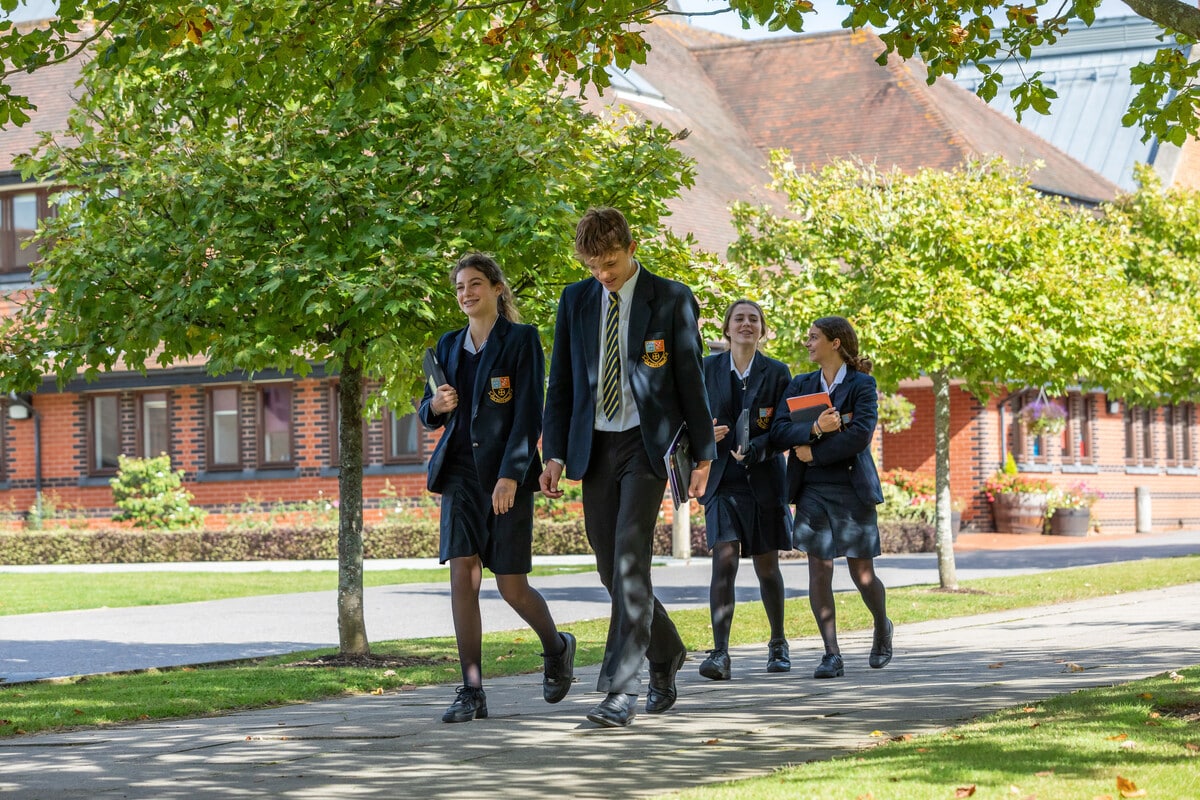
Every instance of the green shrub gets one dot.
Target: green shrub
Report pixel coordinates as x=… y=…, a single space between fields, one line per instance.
x=150 y=495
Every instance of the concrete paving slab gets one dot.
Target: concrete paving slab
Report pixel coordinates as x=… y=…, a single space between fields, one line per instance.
x=393 y=745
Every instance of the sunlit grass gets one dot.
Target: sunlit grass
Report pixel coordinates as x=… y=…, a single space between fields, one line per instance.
x=36 y=592
x=184 y=692
x=1072 y=746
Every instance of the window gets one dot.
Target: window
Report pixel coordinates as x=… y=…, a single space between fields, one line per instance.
x=402 y=439
x=20 y=212
x=1178 y=423
x=275 y=425
x=104 y=434
x=1041 y=448
x=1080 y=411
x=1139 y=436
x=153 y=429
x=223 y=429
x=3 y=439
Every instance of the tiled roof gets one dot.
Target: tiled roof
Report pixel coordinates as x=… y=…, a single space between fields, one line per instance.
x=823 y=96
x=53 y=91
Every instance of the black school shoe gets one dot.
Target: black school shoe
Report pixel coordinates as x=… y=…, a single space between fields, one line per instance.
x=831 y=667
x=470 y=704
x=716 y=667
x=559 y=670
x=778 y=657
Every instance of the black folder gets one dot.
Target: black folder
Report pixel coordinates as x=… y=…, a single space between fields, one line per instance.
x=434 y=375
x=742 y=429
x=678 y=459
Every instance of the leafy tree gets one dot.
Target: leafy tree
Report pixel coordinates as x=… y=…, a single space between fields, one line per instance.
x=969 y=274
x=577 y=38
x=290 y=219
x=1162 y=265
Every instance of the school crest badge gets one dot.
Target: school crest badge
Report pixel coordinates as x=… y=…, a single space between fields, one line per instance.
x=654 y=354
x=764 y=417
x=501 y=391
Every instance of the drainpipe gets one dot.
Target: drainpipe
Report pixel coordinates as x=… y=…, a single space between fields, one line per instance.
x=1003 y=439
x=21 y=402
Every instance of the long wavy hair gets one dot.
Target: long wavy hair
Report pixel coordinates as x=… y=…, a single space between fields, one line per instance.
x=505 y=303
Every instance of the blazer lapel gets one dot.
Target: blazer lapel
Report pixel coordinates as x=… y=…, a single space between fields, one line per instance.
x=754 y=384
x=587 y=331
x=487 y=359
x=639 y=317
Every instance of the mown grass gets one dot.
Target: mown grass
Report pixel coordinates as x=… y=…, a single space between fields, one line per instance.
x=36 y=592
x=1140 y=739
x=183 y=692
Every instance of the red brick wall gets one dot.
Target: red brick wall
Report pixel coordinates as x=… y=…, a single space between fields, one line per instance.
x=976 y=452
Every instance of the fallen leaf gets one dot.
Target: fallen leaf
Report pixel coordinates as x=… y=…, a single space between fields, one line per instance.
x=377 y=690
x=922 y=749
x=1146 y=696
x=1128 y=788
x=187 y=669
x=965 y=791
x=143 y=716
x=1154 y=723
x=1195 y=748
x=1072 y=667
x=1029 y=709
x=878 y=734
x=1155 y=715
x=1046 y=773
x=77 y=710
x=904 y=737
x=1120 y=737
x=1103 y=797
x=1130 y=745
x=710 y=741
x=19 y=731
x=997 y=665
x=506 y=656
x=1035 y=725
x=389 y=673
x=5 y=722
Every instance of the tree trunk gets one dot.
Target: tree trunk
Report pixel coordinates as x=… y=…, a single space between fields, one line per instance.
x=947 y=574
x=352 y=629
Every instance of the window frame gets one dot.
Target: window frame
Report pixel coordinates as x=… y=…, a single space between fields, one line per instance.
x=91 y=428
x=9 y=250
x=1139 y=436
x=210 y=464
x=140 y=423
x=390 y=419
x=260 y=437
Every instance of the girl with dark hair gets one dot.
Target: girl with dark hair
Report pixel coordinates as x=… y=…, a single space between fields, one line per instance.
x=486 y=468
x=745 y=510
x=834 y=484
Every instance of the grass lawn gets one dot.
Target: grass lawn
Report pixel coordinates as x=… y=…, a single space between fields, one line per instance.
x=35 y=592
x=184 y=692
x=1139 y=739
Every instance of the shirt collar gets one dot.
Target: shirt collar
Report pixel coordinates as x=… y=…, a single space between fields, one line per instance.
x=733 y=367
x=837 y=379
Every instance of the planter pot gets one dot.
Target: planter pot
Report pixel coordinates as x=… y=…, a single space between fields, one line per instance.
x=1019 y=512
x=955 y=525
x=1070 y=521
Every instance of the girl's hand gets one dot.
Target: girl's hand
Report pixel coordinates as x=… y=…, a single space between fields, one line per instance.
x=803 y=452
x=720 y=431
x=444 y=400
x=503 y=496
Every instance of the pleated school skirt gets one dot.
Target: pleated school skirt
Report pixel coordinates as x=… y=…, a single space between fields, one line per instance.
x=733 y=515
x=831 y=522
x=468 y=527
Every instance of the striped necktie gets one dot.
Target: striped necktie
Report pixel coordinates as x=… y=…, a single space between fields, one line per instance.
x=611 y=394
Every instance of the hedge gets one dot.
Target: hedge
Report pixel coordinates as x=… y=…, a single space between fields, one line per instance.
x=410 y=539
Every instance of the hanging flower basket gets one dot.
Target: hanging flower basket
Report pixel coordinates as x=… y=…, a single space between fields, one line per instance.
x=1042 y=417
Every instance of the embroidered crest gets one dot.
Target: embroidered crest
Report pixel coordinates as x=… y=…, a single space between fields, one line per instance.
x=501 y=391
x=764 y=417
x=655 y=353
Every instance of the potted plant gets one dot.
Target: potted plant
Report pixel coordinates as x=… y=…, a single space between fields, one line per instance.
x=1069 y=510
x=1018 y=501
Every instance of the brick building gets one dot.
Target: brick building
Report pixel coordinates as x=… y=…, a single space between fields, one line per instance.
x=822 y=96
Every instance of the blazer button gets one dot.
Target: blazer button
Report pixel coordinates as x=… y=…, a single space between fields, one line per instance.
x=474 y=444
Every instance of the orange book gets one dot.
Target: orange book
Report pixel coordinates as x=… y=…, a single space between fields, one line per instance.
x=807 y=407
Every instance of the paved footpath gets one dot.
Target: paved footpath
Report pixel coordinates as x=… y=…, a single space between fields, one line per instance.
x=393 y=746
x=37 y=646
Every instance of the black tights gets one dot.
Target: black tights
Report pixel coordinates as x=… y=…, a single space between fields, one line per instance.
x=466 y=574
x=820 y=596
x=722 y=593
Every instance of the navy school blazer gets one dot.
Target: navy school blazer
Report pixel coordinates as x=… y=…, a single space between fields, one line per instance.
x=663 y=367
x=856 y=398
x=508 y=406
x=766 y=383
